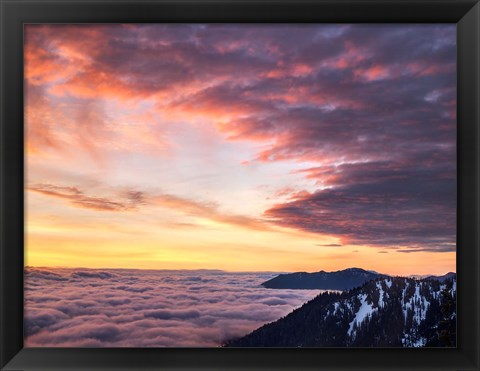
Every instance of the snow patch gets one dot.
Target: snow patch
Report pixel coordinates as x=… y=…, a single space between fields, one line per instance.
x=410 y=341
x=405 y=308
x=337 y=305
x=381 y=303
x=364 y=311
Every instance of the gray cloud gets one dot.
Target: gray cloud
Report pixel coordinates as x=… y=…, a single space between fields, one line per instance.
x=383 y=204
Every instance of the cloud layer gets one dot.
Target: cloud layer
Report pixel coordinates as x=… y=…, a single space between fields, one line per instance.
x=135 y=308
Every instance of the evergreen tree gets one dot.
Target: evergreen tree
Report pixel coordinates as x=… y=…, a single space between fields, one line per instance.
x=446 y=332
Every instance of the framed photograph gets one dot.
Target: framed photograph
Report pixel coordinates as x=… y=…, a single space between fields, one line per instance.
x=231 y=185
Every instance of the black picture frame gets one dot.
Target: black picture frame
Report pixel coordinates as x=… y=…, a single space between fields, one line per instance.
x=15 y=13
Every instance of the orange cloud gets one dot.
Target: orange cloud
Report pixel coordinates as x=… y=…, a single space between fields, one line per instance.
x=206 y=210
x=132 y=200
x=374 y=73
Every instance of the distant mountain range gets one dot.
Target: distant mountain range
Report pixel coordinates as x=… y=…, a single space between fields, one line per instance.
x=384 y=312
x=346 y=279
x=449 y=275
x=339 y=280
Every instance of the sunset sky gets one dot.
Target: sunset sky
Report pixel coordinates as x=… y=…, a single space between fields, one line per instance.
x=241 y=147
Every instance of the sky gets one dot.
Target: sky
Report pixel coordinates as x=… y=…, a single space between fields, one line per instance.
x=241 y=147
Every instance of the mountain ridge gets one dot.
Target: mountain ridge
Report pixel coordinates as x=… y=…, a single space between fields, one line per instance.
x=386 y=312
x=337 y=280
x=345 y=279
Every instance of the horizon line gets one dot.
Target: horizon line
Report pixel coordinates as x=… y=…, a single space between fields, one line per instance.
x=233 y=271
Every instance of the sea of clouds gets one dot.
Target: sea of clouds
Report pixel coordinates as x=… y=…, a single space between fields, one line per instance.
x=148 y=308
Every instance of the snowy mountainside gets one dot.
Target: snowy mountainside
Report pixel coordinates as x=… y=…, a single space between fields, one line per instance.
x=386 y=312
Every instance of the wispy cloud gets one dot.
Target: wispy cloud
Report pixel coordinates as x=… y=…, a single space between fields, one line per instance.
x=77 y=198
x=438 y=248
x=133 y=200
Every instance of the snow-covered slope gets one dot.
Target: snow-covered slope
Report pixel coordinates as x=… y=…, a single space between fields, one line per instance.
x=392 y=311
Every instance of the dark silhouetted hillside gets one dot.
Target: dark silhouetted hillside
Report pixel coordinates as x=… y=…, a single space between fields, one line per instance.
x=386 y=312
x=340 y=280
